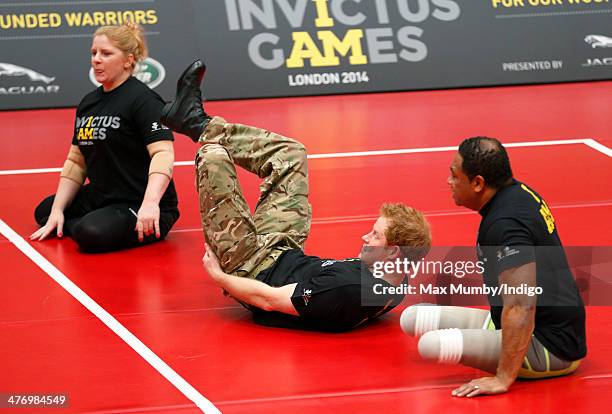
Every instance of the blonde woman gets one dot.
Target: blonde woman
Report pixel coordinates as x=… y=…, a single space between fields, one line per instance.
x=122 y=148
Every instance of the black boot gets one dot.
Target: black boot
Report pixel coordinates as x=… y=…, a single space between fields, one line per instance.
x=185 y=114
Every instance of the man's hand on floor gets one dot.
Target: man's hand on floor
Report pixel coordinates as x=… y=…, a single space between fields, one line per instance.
x=486 y=385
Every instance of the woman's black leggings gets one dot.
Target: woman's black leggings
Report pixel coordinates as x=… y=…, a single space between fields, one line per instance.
x=106 y=228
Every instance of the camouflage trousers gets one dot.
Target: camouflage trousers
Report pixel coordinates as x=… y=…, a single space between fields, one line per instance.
x=246 y=244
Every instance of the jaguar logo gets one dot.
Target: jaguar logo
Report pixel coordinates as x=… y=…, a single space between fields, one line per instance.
x=598 y=41
x=601 y=62
x=7 y=69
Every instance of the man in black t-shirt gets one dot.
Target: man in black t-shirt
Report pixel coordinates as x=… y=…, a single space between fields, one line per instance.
x=257 y=258
x=526 y=336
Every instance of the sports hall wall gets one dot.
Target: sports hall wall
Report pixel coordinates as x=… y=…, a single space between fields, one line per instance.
x=268 y=48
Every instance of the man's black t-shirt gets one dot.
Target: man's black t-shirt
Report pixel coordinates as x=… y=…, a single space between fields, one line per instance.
x=328 y=295
x=517 y=228
x=112 y=130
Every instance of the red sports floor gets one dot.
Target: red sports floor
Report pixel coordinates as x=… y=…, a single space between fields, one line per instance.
x=207 y=346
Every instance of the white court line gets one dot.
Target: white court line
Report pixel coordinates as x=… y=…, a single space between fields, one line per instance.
x=30 y=171
x=586 y=141
x=121 y=331
x=598 y=147
x=441 y=149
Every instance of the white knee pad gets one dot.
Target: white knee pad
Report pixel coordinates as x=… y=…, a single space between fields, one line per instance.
x=419 y=319
x=443 y=345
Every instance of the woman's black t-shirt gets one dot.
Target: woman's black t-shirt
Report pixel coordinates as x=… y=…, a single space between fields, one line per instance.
x=112 y=130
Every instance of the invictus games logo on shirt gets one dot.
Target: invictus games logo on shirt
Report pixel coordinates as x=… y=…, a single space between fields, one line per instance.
x=92 y=128
x=149 y=71
x=18 y=80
